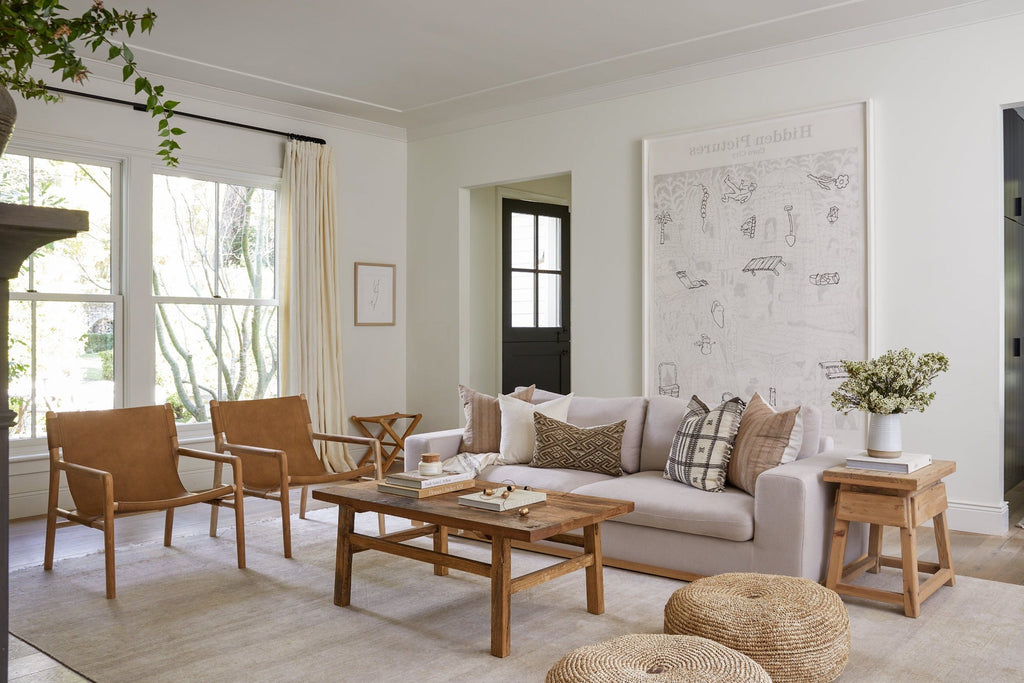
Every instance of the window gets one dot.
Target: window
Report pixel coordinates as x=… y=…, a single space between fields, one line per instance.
x=65 y=303
x=214 y=291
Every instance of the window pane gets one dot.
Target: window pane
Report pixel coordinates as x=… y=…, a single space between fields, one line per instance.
x=549 y=243
x=73 y=365
x=549 y=300
x=186 y=359
x=522 y=300
x=184 y=236
x=246 y=242
x=249 y=352
x=522 y=241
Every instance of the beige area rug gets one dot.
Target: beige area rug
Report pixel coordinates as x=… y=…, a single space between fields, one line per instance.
x=187 y=613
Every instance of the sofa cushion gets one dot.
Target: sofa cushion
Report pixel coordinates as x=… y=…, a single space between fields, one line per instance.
x=765 y=440
x=700 y=451
x=665 y=504
x=589 y=411
x=483 y=419
x=553 y=479
x=517 y=432
x=591 y=449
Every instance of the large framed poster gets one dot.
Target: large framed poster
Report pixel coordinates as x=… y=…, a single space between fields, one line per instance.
x=756 y=275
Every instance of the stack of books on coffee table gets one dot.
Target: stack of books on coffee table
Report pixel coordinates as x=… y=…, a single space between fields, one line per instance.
x=414 y=485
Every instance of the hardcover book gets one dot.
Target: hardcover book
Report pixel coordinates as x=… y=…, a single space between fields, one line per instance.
x=423 y=481
x=516 y=499
x=410 y=492
x=905 y=464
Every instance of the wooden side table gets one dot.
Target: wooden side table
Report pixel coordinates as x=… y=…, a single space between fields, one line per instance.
x=884 y=499
x=388 y=448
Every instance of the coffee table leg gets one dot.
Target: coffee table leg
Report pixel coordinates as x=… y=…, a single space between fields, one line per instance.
x=501 y=593
x=595 y=572
x=441 y=546
x=343 y=558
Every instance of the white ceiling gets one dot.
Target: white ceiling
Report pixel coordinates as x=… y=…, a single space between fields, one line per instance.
x=417 y=64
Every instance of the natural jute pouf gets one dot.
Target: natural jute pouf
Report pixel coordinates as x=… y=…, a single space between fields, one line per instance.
x=655 y=657
x=796 y=629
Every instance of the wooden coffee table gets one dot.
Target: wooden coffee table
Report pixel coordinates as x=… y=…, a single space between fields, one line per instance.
x=550 y=520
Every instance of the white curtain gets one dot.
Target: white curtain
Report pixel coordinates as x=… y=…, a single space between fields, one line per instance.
x=311 y=339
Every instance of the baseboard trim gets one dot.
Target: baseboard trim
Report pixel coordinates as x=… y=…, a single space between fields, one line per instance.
x=975 y=518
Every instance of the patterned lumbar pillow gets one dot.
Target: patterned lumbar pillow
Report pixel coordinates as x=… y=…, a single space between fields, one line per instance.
x=483 y=419
x=700 y=450
x=591 y=449
x=765 y=439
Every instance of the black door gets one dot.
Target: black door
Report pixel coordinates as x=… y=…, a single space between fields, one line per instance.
x=535 y=296
x=1013 y=284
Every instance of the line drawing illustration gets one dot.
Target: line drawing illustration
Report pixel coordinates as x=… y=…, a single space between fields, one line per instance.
x=833 y=214
x=689 y=283
x=827 y=182
x=705 y=344
x=833 y=369
x=771 y=397
x=824 y=279
x=662 y=219
x=704 y=207
x=749 y=226
x=791 y=237
x=668 y=384
x=764 y=263
x=727 y=396
x=718 y=313
x=738 y=193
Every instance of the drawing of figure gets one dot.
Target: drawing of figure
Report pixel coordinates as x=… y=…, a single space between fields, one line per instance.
x=823 y=279
x=718 y=313
x=662 y=219
x=668 y=382
x=833 y=214
x=738 y=193
x=827 y=182
x=771 y=397
x=690 y=284
x=791 y=237
x=748 y=227
x=705 y=344
x=704 y=207
x=376 y=295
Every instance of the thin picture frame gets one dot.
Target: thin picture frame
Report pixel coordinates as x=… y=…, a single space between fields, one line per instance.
x=375 y=294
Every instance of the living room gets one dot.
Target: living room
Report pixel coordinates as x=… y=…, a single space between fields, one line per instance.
x=937 y=81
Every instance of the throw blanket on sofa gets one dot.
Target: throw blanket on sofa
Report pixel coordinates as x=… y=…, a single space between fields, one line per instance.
x=469 y=462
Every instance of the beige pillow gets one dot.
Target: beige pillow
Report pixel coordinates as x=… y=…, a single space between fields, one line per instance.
x=518 y=435
x=483 y=419
x=765 y=439
x=590 y=449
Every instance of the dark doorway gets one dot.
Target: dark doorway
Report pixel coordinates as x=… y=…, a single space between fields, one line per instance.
x=535 y=295
x=1013 y=284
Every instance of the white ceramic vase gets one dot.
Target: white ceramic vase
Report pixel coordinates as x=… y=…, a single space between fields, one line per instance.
x=885 y=439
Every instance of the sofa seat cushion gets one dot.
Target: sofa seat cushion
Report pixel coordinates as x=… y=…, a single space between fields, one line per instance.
x=665 y=504
x=541 y=478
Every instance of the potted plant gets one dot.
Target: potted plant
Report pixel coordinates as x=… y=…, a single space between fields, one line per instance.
x=46 y=31
x=896 y=382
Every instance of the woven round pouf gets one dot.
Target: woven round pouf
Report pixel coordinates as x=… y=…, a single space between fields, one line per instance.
x=796 y=629
x=654 y=657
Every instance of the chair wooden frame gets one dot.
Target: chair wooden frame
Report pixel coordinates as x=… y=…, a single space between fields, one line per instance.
x=104 y=482
x=280 y=492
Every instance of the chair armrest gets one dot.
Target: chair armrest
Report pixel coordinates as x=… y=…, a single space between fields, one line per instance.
x=372 y=444
x=207 y=455
x=793 y=512
x=82 y=469
x=251 y=450
x=444 y=442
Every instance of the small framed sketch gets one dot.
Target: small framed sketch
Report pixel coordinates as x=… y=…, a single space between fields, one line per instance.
x=375 y=294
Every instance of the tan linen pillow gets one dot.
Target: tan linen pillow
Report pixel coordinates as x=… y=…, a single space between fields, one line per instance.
x=765 y=439
x=590 y=449
x=483 y=419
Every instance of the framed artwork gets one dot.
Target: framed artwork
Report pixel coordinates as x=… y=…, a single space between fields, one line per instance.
x=375 y=294
x=756 y=270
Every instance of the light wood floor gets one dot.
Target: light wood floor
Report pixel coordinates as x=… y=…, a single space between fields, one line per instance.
x=996 y=558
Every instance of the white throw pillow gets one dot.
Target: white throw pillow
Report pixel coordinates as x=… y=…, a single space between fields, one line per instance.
x=518 y=434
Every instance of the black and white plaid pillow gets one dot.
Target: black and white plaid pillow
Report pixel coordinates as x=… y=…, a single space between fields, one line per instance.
x=700 y=450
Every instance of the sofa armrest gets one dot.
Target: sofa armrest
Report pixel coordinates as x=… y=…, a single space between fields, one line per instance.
x=793 y=508
x=445 y=442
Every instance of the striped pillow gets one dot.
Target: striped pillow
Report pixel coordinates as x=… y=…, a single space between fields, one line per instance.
x=700 y=450
x=483 y=419
x=765 y=440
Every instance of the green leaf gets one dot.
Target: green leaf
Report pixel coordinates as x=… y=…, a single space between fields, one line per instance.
x=113 y=53
x=126 y=72
x=177 y=131
x=140 y=84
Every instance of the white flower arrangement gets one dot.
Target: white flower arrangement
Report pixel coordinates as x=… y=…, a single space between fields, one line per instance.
x=895 y=382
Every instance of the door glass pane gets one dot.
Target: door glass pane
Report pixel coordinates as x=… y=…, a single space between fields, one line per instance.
x=246 y=242
x=522 y=241
x=249 y=352
x=549 y=243
x=184 y=236
x=186 y=359
x=522 y=300
x=549 y=300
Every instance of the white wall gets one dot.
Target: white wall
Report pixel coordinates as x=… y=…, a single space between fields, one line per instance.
x=371 y=181
x=937 y=212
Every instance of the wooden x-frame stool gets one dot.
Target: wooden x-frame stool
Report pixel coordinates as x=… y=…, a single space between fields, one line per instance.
x=388 y=449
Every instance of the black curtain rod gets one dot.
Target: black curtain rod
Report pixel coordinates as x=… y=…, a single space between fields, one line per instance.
x=141 y=107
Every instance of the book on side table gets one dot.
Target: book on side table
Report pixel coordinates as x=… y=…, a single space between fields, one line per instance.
x=905 y=464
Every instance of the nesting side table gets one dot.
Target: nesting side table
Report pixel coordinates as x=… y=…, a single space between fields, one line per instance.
x=884 y=499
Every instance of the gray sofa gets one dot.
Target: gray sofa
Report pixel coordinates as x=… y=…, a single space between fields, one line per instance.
x=677 y=530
